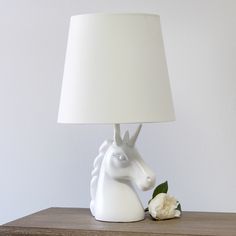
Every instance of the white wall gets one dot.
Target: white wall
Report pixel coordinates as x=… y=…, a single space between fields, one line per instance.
x=44 y=164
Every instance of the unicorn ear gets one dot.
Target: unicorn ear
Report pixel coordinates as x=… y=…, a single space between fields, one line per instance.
x=126 y=137
x=117 y=137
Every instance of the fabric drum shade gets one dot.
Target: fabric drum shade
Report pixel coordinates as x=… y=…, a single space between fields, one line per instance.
x=115 y=71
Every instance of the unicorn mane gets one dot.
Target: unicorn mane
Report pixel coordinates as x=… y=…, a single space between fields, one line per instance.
x=96 y=170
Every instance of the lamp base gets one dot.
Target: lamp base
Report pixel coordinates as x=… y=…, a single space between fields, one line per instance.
x=116 y=168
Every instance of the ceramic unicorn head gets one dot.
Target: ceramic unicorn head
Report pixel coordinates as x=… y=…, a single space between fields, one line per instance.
x=117 y=167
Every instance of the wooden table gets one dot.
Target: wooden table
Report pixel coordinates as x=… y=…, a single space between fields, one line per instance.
x=77 y=221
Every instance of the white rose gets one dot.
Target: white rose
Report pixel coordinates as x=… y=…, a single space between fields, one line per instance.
x=163 y=206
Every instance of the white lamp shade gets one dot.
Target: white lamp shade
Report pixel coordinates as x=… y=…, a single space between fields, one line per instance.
x=115 y=71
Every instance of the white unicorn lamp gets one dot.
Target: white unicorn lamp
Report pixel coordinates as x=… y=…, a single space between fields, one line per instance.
x=116 y=168
x=115 y=73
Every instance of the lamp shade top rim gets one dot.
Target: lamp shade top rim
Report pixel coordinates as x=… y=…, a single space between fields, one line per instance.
x=116 y=14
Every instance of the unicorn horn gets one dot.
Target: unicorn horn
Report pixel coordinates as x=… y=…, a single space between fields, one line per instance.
x=135 y=136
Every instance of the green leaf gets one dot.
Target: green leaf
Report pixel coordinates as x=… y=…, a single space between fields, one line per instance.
x=162 y=188
x=179 y=207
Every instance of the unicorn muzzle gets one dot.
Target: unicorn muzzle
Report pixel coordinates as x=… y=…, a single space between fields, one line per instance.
x=147 y=183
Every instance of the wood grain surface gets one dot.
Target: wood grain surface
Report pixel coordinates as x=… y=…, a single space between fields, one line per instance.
x=77 y=221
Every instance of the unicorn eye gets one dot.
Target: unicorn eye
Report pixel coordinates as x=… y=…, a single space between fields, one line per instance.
x=120 y=157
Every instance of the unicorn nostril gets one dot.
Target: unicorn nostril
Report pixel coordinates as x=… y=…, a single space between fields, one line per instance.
x=149 y=179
